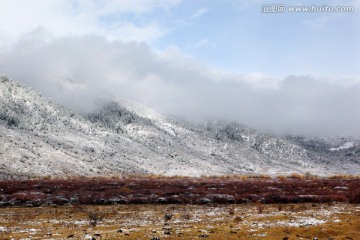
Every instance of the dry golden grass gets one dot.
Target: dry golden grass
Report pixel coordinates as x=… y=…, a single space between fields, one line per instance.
x=296 y=221
x=299 y=176
x=344 y=176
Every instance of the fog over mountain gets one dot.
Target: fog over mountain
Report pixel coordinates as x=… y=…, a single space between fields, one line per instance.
x=181 y=86
x=40 y=137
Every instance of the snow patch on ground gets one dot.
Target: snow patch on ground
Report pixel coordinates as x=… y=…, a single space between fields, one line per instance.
x=301 y=222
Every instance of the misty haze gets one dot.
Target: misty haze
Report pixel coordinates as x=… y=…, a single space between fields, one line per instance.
x=81 y=71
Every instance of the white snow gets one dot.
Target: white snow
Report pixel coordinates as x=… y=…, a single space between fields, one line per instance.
x=346 y=145
x=302 y=222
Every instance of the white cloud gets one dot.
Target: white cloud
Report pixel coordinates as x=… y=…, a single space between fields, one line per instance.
x=177 y=84
x=323 y=21
x=81 y=17
x=204 y=42
x=317 y=23
x=199 y=13
x=260 y=80
x=134 y=6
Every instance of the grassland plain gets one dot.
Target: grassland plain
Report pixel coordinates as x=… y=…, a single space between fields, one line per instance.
x=235 y=221
x=155 y=207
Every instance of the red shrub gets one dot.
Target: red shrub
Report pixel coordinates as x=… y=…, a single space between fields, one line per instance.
x=354 y=192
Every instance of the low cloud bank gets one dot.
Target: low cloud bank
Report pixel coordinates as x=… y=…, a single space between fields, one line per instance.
x=81 y=71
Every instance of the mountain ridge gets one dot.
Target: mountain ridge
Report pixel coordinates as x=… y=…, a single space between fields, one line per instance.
x=40 y=137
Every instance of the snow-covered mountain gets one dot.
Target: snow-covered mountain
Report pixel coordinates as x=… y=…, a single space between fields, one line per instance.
x=39 y=137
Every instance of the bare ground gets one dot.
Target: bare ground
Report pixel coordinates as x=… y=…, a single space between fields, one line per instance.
x=232 y=221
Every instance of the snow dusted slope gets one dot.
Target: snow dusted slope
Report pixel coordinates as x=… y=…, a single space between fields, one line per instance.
x=341 y=154
x=39 y=137
x=216 y=147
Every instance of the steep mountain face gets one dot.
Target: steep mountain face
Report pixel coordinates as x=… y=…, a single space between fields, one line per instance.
x=39 y=137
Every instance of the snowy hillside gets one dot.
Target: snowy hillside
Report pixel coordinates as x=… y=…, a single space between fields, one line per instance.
x=40 y=137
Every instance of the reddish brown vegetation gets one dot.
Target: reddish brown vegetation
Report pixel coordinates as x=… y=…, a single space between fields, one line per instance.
x=177 y=190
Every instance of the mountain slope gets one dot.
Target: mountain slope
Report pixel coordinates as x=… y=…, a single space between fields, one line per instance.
x=40 y=137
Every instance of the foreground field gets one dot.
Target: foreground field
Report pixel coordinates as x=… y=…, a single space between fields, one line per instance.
x=243 y=221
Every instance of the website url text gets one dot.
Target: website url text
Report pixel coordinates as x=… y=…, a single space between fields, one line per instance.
x=282 y=8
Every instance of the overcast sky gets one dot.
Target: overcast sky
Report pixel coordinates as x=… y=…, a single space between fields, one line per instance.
x=287 y=73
